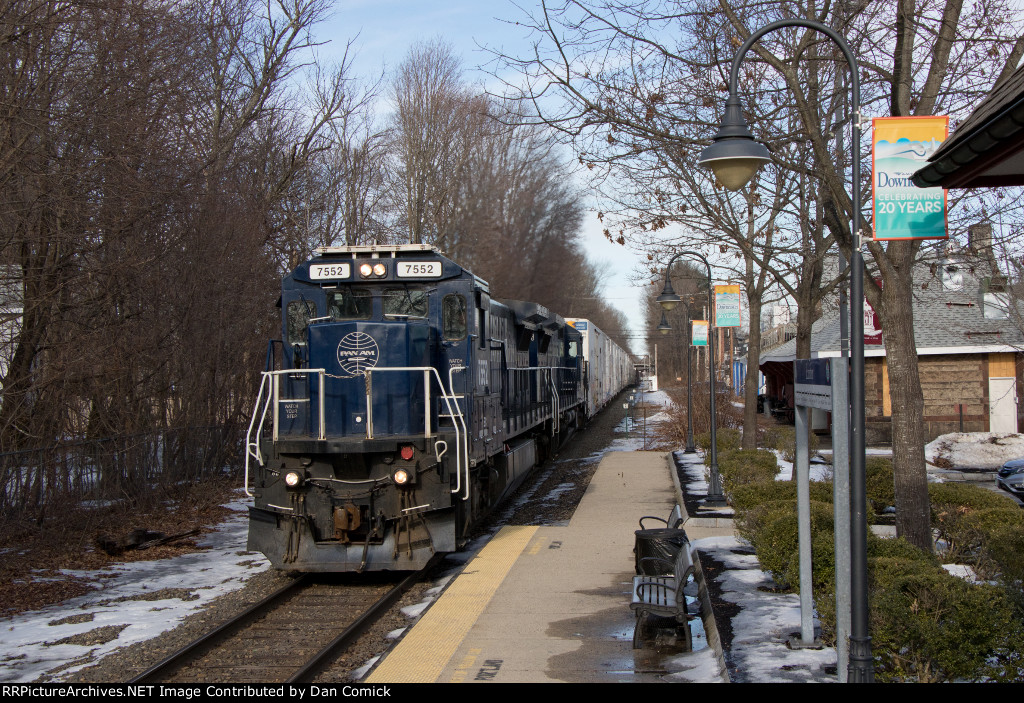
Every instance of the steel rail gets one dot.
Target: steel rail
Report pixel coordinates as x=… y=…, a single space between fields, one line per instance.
x=203 y=644
x=322 y=658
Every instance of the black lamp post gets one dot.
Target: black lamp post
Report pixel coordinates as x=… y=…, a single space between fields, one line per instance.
x=668 y=300
x=734 y=157
x=664 y=329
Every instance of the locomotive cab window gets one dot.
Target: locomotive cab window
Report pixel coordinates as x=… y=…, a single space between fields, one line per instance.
x=299 y=314
x=350 y=304
x=454 y=317
x=405 y=302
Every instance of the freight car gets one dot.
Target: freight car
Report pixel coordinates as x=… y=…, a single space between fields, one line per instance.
x=607 y=368
x=402 y=404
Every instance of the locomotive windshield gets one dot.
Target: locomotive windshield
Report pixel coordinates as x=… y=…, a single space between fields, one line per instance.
x=350 y=304
x=405 y=302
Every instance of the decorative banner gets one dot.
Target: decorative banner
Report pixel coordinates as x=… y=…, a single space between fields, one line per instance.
x=901 y=146
x=700 y=333
x=727 y=306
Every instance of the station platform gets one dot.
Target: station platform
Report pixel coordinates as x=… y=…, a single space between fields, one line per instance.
x=551 y=604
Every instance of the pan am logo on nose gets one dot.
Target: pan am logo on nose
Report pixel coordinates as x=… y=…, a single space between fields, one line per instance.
x=357 y=351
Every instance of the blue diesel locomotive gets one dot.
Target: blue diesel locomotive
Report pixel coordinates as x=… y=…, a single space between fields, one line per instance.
x=401 y=405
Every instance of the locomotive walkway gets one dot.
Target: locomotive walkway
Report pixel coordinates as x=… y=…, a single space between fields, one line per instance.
x=547 y=604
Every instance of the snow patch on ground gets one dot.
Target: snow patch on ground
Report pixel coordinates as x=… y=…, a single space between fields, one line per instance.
x=764 y=623
x=29 y=647
x=974 y=450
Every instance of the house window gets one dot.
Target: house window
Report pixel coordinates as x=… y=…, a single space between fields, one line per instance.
x=952 y=278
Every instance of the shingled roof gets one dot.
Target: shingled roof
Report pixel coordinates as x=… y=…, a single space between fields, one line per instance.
x=987 y=150
x=946 y=321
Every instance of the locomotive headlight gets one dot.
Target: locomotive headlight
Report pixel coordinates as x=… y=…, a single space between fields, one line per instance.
x=400 y=477
x=365 y=270
x=293 y=479
x=379 y=270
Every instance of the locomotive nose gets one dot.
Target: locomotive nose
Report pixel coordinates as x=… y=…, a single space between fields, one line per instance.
x=349 y=352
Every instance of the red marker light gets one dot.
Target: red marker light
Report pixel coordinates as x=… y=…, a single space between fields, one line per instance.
x=406 y=452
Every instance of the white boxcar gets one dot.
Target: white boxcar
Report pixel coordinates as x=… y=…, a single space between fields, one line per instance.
x=608 y=367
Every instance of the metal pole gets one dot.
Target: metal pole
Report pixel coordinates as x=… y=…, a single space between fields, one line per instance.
x=861 y=668
x=690 y=447
x=715 y=496
x=802 y=474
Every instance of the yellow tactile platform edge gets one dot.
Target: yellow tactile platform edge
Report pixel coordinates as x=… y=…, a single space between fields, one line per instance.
x=424 y=652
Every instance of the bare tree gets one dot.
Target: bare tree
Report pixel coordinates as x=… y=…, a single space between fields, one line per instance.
x=637 y=84
x=149 y=153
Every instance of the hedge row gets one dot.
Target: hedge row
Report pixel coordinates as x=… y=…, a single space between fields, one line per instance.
x=926 y=625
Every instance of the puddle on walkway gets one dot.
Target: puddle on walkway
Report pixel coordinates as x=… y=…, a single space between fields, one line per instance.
x=607 y=653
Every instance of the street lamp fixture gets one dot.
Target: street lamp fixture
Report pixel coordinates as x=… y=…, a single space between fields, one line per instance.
x=668 y=298
x=734 y=157
x=664 y=327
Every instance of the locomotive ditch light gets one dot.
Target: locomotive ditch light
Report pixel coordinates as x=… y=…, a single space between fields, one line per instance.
x=293 y=479
x=401 y=477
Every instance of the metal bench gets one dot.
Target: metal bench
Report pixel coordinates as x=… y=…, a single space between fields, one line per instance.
x=663 y=596
x=675 y=518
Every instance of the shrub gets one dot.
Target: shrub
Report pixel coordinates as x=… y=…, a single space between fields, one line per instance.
x=775 y=437
x=949 y=496
x=823 y=563
x=727 y=438
x=1002 y=558
x=897 y=548
x=880 y=483
x=775 y=536
x=823 y=556
x=742 y=467
x=929 y=626
x=783 y=439
x=955 y=514
x=751 y=495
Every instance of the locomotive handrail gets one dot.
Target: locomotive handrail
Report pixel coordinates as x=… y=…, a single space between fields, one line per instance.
x=252 y=447
x=273 y=395
x=447 y=397
x=249 y=444
x=465 y=433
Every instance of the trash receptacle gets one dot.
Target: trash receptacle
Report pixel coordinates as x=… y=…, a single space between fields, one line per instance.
x=664 y=544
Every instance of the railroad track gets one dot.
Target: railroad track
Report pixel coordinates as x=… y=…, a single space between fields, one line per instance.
x=288 y=637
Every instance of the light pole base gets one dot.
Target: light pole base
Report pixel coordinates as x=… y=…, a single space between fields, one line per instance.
x=718 y=501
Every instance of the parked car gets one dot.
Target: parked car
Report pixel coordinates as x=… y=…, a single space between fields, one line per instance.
x=1011 y=477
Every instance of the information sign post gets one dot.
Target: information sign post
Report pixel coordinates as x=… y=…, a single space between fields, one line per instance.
x=812 y=388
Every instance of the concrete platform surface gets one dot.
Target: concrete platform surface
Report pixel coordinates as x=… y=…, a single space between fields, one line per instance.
x=548 y=604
